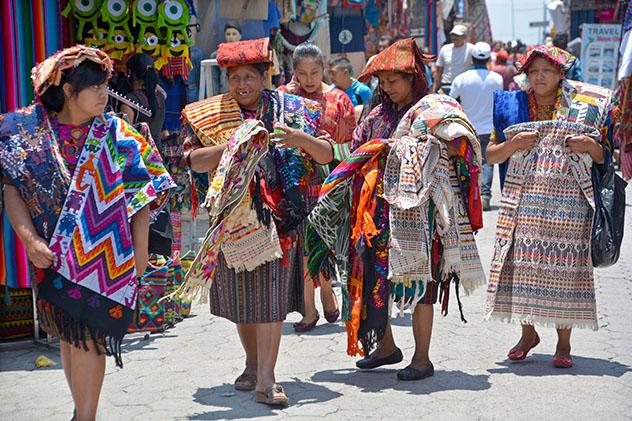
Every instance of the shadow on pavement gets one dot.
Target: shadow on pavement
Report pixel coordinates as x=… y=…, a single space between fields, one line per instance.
x=383 y=379
x=538 y=365
x=319 y=330
x=232 y=404
x=142 y=340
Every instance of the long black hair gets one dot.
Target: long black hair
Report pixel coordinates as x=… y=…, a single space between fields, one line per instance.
x=142 y=68
x=85 y=75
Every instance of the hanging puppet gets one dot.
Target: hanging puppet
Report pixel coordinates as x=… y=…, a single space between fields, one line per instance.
x=115 y=13
x=96 y=39
x=176 y=54
x=145 y=16
x=83 y=11
x=174 y=16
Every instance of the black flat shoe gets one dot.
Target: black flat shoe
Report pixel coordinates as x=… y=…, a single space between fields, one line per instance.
x=370 y=361
x=409 y=373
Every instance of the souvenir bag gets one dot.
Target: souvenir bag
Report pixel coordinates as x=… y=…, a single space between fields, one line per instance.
x=150 y=311
x=16 y=313
x=186 y=261
x=609 y=217
x=173 y=305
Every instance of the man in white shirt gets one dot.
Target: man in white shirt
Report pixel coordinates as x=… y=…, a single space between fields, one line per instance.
x=475 y=91
x=453 y=59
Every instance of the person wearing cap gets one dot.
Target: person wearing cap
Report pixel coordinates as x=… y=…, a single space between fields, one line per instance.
x=504 y=68
x=475 y=91
x=453 y=59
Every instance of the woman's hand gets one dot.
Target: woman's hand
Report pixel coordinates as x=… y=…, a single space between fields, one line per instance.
x=580 y=143
x=39 y=253
x=288 y=137
x=524 y=141
x=585 y=144
x=292 y=86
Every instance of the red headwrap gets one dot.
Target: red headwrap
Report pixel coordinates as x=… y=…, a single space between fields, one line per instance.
x=233 y=54
x=404 y=57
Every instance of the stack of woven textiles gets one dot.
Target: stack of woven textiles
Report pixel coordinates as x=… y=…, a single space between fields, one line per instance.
x=397 y=218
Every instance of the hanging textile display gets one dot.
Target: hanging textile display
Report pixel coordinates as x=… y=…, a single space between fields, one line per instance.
x=31 y=31
x=347 y=34
x=480 y=27
x=430 y=27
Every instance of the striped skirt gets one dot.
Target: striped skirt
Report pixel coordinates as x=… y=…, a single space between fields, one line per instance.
x=265 y=295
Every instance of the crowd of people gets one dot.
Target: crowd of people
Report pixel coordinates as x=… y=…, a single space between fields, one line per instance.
x=376 y=183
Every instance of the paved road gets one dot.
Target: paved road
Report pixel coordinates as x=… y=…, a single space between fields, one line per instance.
x=188 y=372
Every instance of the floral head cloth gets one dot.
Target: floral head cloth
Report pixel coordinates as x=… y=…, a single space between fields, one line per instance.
x=49 y=72
x=561 y=58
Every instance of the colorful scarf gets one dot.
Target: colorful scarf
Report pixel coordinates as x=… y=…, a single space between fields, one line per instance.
x=86 y=217
x=561 y=58
x=213 y=120
x=244 y=52
x=402 y=57
x=235 y=229
x=334 y=231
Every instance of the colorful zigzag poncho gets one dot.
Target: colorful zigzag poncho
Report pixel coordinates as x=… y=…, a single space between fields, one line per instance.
x=90 y=290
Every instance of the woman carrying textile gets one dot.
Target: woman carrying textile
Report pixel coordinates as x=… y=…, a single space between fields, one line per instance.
x=263 y=147
x=360 y=216
x=551 y=135
x=338 y=120
x=58 y=157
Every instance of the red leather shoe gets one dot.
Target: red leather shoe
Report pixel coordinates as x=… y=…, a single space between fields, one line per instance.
x=562 y=361
x=517 y=354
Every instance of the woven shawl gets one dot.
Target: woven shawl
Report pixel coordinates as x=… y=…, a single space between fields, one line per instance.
x=86 y=217
x=521 y=165
x=234 y=229
x=213 y=120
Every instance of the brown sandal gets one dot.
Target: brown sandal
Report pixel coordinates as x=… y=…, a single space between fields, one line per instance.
x=301 y=327
x=274 y=395
x=246 y=382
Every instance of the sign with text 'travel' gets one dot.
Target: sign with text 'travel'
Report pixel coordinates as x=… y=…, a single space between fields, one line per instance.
x=600 y=53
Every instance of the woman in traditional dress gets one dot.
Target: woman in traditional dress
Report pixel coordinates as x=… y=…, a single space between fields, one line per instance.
x=252 y=260
x=58 y=157
x=356 y=243
x=338 y=120
x=542 y=270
